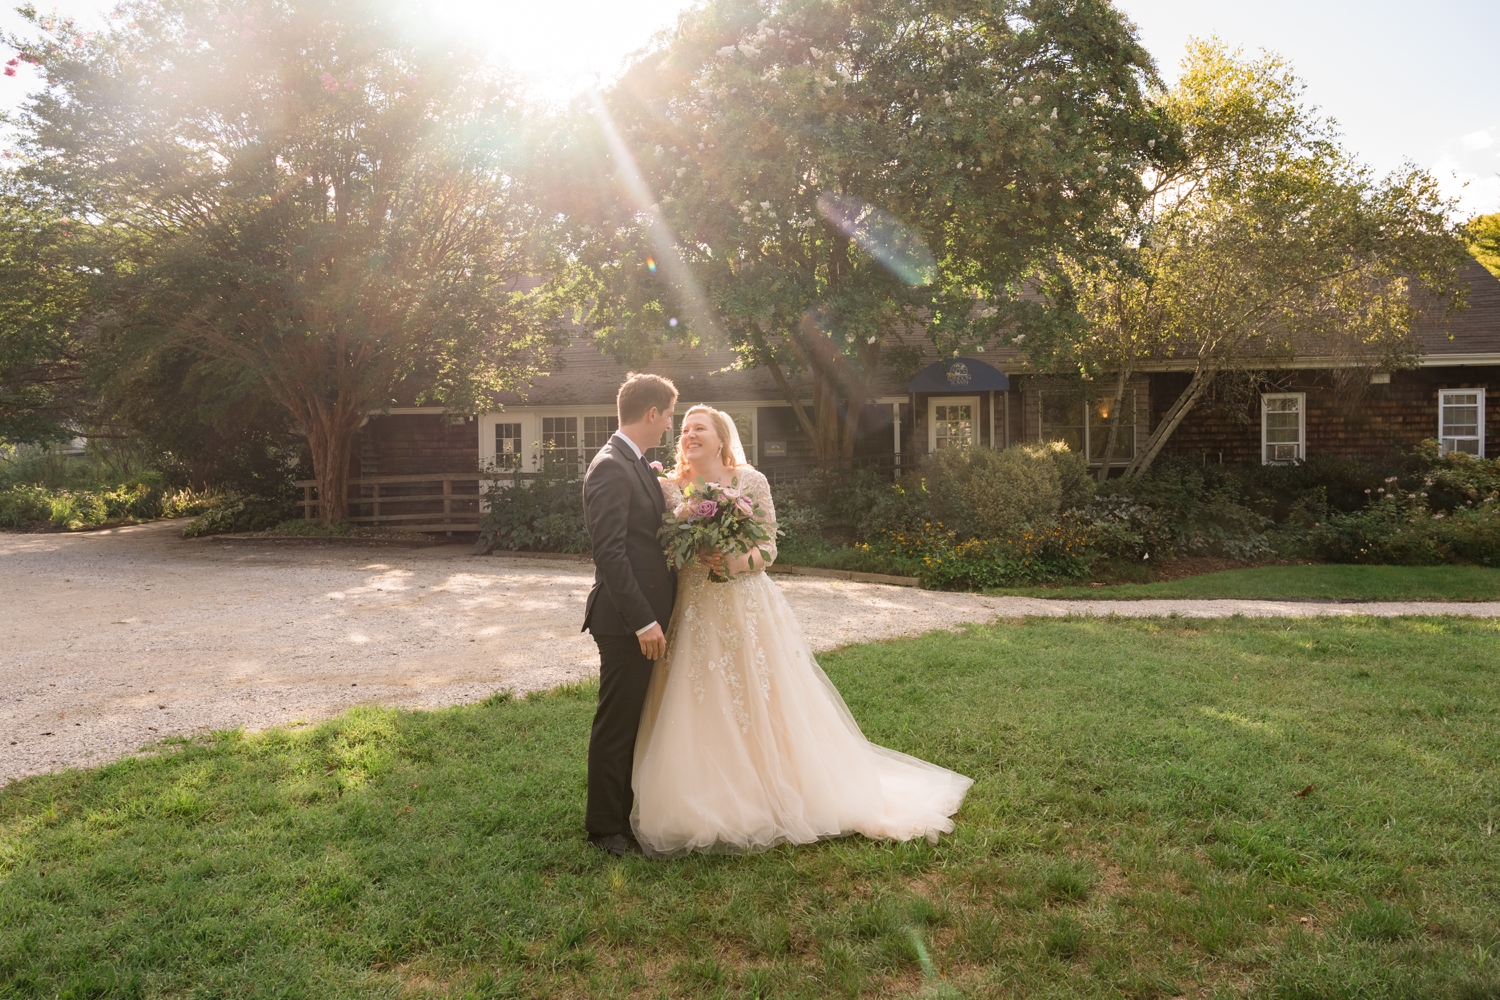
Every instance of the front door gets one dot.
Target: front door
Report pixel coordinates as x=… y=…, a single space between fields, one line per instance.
x=952 y=421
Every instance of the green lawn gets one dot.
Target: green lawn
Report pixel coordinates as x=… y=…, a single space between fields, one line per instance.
x=1134 y=832
x=1362 y=583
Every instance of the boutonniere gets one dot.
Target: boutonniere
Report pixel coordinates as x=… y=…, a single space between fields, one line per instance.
x=661 y=472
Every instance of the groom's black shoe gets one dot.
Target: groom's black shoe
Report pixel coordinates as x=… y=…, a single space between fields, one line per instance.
x=618 y=844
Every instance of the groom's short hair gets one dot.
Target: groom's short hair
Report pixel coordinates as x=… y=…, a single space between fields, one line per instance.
x=640 y=392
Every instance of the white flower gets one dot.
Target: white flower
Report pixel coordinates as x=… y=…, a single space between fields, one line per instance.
x=815 y=53
x=1150 y=143
x=870 y=340
x=1054 y=114
x=725 y=52
x=1017 y=101
x=681 y=171
x=765 y=205
x=749 y=50
x=948 y=100
x=1036 y=98
x=1018 y=338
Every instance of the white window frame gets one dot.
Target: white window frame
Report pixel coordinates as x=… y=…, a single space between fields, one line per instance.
x=1444 y=438
x=1301 y=398
x=933 y=402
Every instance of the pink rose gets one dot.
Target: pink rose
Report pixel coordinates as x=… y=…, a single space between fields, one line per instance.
x=730 y=493
x=706 y=508
x=684 y=510
x=744 y=506
x=657 y=468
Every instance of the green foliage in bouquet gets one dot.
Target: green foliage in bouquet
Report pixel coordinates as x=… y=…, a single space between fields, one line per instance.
x=712 y=517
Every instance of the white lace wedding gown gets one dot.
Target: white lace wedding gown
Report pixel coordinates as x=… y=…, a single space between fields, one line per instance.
x=745 y=743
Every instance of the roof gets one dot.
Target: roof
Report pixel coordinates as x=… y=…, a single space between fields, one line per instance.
x=1470 y=331
x=585 y=376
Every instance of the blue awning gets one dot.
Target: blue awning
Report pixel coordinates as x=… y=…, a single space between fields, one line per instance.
x=959 y=375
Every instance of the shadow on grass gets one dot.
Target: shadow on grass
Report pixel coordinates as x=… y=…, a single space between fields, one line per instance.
x=1133 y=832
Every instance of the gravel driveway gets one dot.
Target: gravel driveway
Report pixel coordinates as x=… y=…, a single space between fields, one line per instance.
x=114 y=639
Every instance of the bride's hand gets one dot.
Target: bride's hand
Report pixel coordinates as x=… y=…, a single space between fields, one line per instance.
x=713 y=559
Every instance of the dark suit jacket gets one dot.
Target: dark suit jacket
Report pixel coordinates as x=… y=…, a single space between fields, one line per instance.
x=623 y=507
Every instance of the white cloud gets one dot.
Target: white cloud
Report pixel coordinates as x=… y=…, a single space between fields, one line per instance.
x=1476 y=193
x=1478 y=140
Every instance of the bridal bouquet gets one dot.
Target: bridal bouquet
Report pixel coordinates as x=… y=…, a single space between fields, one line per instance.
x=711 y=517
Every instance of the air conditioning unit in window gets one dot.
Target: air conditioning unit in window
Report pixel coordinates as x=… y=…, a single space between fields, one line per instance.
x=1283 y=453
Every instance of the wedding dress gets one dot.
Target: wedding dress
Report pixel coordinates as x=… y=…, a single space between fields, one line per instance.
x=745 y=743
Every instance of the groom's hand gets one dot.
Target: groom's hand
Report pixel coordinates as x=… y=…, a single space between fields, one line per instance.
x=653 y=643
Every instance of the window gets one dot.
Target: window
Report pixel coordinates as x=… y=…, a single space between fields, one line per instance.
x=508 y=446
x=596 y=433
x=560 y=439
x=745 y=424
x=1083 y=424
x=1098 y=429
x=952 y=422
x=1282 y=427
x=1062 y=419
x=1461 y=421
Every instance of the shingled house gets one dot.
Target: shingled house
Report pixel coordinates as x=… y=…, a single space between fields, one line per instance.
x=991 y=400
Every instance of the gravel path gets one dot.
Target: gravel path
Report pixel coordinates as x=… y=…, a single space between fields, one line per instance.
x=113 y=639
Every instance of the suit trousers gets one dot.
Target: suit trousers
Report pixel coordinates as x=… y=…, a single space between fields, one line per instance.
x=624 y=675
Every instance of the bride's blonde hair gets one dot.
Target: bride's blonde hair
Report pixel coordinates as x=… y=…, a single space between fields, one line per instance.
x=720 y=420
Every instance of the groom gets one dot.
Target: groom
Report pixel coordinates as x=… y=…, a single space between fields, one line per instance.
x=631 y=603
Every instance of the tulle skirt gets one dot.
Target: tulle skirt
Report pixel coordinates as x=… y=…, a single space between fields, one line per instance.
x=745 y=743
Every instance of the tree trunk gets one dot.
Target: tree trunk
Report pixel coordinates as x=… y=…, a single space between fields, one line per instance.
x=1180 y=409
x=331 y=444
x=1114 y=423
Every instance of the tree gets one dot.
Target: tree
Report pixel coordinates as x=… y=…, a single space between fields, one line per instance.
x=45 y=302
x=1484 y=241
x=301 y=195
x=849 y=179
x=1261 y=240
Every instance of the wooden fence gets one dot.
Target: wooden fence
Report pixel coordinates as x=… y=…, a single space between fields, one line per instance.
x=450 y=501
x=445 y=501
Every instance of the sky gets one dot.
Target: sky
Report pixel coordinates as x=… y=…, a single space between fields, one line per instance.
x=1406 y=82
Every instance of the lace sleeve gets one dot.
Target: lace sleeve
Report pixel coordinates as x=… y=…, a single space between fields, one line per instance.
x=758 y=488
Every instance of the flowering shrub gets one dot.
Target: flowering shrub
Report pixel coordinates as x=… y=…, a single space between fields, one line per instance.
x=1033 y=553
x=1404 y=530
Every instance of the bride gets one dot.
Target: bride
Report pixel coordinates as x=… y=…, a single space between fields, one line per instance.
x=744 y=743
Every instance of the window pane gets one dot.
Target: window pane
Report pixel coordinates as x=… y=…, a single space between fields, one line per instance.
x=596 y=433
x=560 y=439
x=1062 y=419
x=1099 y=420
x=507 y=446
x=1281 y=423
x=954 y=424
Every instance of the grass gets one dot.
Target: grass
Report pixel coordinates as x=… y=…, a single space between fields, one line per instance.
x=1311 y=582
x=1134 y=832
